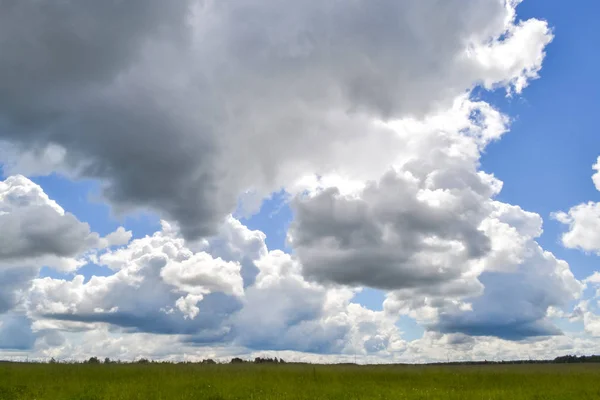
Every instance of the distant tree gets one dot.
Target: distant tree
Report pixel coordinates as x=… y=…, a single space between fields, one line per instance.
x=236 y=360
x=570 y=359
x=209 y=361
x=52 y=361
x=93 y=360
x=265 y=360
x=107 y=360
x=143 y=361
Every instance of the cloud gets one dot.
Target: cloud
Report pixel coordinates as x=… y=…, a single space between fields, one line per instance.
x=13 y=281
x=165 y=285
x=201 y=273
x=362 y=113
x=511 y=292
x=596 y=176
x=212 y=104
x=37 y=232
x=594 y=278
x=583 y=222
x=33 y=225
x=587 y=310
x=440 y=347
x=308 y=317
x=386 y=237
x=119 y=237
x=432 y=234
x=418 y=225
x=157 y=283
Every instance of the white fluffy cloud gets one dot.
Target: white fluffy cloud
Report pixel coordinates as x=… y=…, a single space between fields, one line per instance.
x=596 y=176
x=35 y=231
x=157 y=284
x=419 y=224
x=508 y=292
x=308 y=317
x=162 y=286
x=33 y=225
x=583 y=221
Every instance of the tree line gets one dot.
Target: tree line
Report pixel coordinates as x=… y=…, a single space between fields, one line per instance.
x=235 y=360
x=567 y=359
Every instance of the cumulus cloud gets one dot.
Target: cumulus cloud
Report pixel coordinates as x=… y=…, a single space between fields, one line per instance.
x=157 y=284
x=587 y=310
x=308 y=317
x=596 y=176
x=517 y=284
x=420 y=224
x=14 y=281
x=583 y=221
x=194 y=90
x=36 y=227
x=386 y=237
x=15 y=332
x=165 y=285
x=439 y=347
x=431 y=233
x=35 y=232
x=33 y=225
x=361 y=112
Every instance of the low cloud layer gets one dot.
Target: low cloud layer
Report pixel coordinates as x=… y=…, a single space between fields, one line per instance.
x=583 y=221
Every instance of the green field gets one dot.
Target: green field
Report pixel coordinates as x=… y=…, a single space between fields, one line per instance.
x=249 y=381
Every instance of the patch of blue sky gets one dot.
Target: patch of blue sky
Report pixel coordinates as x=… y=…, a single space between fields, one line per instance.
x=410 y=329
x=545 y=160
x=273 y=220
x=370 y=298
x=82 y=199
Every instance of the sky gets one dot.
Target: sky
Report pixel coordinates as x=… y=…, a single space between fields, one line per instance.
x=321 y=181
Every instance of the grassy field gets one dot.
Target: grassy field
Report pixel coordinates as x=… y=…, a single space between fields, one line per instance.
x=248 y=381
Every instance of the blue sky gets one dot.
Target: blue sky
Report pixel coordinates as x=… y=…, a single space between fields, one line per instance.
x=544 y=161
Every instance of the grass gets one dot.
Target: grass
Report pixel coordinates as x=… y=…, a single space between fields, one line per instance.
x=248 y=381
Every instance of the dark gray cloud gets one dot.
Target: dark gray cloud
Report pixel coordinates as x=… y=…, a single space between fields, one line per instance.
x=385 y=237
x=182 y=106
x=510 y=291
x=139 y=299
x=209 y=326
x=35 y=226
x=38 y=231
x=152 y=275
x=509 y=330
x=54 y=51
x=513 y=306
